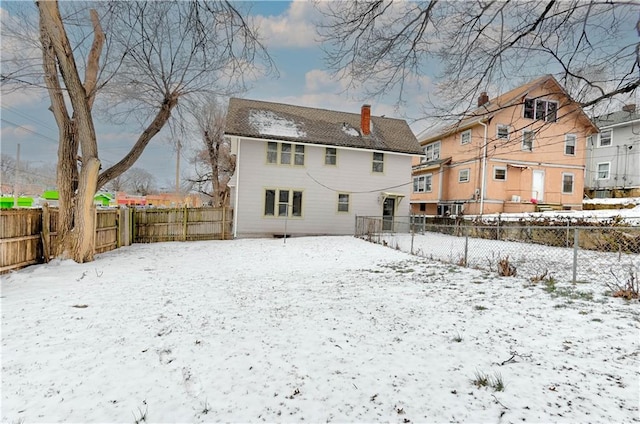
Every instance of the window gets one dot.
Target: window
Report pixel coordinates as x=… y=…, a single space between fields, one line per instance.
x=503 y=132
x=432 y=151
x=378 y=162
x=465 y=137
x=330 y=156
x=499 y=173
x=603 y=170
x=298 y=159
x=285 y=154
x=423 y=207
x=605 y=138
x=527 y=141
x=269 y=202
x=463 y=176
x=289 y=202
x=543 y=110
x=422 y=184
x=567 y=183
x=570 y=144
x=343 y=202
x=272 y=152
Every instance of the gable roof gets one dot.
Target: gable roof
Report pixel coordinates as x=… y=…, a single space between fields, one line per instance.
x=615 y=118
x=283 y=122
x=510 y=98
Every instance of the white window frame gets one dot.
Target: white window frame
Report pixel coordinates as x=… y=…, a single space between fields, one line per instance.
x=272 y=155
x=573 y=143
x=610 y=138
x=343 y=202
x=608 y=164
x=380 y=162
x=502 y=127
x=291 y=209
x=296 y=154
x=423 y=183
x=461 y=173
x=573 y=180
x=501 y=168
x=432 y=151
x=540 y=110
x=524 y=136
x=465 y=137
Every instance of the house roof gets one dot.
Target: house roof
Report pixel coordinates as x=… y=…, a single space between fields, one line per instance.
x=615 y=118
x=508 y=99
x=283 y=122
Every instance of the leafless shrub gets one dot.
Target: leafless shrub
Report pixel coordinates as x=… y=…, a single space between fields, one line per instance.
x=505 y=268
x=628 y=289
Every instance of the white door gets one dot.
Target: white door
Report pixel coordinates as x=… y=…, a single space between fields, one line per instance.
x=538 y=186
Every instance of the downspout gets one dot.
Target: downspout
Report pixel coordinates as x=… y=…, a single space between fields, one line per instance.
x=235 y=206
x=484 y=166
x=616 y=184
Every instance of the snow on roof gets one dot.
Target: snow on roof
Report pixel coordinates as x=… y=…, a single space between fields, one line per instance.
x=268 y=123
x=349 y=130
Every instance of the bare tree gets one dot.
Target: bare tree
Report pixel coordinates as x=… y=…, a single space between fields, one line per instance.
x=119 y=183
x=140 y=181
x=144 y=60
x=591 y=47
x=213 y=162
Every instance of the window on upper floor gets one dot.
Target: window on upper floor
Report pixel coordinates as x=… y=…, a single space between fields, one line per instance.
x=422 y=184
x=499 y=173
x=343 y=202
x=603 y=170
x=378 y=162
x=570 y=144
x=330 y=156
x=567 y=183
x=527 y=140
x=605 y=138
x=544 y=110
x=284 y=152
x=432 y=151
x=502 y=132
x=465 y=137
x=463 y=175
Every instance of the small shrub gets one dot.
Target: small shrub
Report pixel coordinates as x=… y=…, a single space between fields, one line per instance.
x=457 y=338
x=505 y=268
x=497 y=383
x=629 y=289
x=480 y=379
x=550 y=285
x=484 y=380
x=480 y=308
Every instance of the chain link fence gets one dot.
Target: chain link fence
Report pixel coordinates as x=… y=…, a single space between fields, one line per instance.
x=602 y=252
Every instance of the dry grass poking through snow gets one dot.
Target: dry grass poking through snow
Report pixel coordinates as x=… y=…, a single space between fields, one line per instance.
x=320 y=329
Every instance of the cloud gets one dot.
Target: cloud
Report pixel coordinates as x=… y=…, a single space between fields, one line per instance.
x=293 y=28
x=319 y=80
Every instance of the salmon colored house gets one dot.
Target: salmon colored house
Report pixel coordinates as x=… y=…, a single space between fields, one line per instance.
x=522 y=151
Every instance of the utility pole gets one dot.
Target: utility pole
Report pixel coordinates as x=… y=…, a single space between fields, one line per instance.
x=16 y=179
x=178 y=169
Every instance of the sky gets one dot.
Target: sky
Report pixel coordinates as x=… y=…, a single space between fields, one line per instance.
x=290 y=36
x=318 y=329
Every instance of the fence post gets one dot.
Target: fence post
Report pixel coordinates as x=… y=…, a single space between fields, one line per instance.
x=184 y=223
x=413 y=233
x=46 y=230
x=575 y=253
x=224 y=209
x=95 y=227
x=466 y=244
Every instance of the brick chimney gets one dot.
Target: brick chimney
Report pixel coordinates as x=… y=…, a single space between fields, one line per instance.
x=483 y=99
x=365 y=119
x=629 y=108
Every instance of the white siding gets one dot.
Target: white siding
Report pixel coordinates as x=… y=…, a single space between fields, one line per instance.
x=352 y=174
x=623 y=155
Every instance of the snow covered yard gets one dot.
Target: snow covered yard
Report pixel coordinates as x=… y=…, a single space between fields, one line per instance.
x=317 y=329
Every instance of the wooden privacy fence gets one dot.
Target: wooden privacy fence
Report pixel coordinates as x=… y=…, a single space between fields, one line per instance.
x=30 y=236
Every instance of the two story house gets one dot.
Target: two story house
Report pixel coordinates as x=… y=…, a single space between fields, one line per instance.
x=522 y=151
x=613 y=155
x=308 y=171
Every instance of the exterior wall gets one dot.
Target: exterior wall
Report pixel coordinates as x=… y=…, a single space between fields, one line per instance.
x=623 y=155
x=548 y=156
x=320 y=185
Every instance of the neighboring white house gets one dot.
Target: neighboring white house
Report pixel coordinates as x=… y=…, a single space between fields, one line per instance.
x=308 y=171
x=613 y=156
